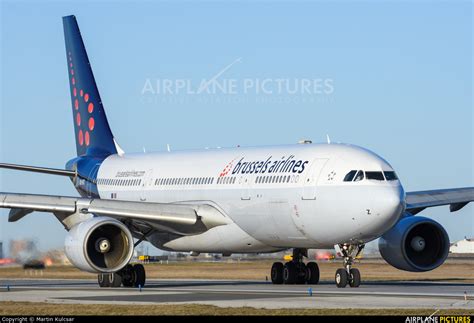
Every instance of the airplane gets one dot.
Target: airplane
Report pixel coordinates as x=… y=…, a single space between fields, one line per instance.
x=229 y=200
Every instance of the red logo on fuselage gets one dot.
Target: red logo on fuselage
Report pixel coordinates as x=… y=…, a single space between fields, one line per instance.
x=227 y=169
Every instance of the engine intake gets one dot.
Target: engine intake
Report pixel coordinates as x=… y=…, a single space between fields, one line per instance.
x=99 y=245
x=415 y=244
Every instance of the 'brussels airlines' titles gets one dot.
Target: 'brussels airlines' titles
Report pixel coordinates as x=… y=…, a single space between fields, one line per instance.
x=269 y=166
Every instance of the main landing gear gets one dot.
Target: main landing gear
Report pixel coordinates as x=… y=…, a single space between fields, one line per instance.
x=349 y=275
x=129 y=276
x=295 y=271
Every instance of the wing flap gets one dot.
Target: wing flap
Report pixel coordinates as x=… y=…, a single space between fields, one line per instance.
x=169 y=213
x=183 y=219
x=41 y=203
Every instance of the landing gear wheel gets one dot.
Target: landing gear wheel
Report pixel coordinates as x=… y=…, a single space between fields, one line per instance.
x=341 y=278
x=289 y=273
x=140 y=275
x=127 y=274
x=114 y=279
x=103 y=280
x=312 y=270
x=354 y=279
x=277 y=273
x=301 y=273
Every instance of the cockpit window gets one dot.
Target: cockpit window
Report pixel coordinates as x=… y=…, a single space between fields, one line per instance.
x=390 y=176
x=377 y=176
x=359 y=176
x=350 y=176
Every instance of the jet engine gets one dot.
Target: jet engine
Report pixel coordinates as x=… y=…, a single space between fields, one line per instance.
x=415 y=244
x=99 y=245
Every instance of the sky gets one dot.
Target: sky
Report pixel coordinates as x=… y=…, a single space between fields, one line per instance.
x=394 y=77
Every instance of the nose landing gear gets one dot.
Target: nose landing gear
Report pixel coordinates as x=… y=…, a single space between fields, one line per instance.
x=349 y=275
x=295 y=271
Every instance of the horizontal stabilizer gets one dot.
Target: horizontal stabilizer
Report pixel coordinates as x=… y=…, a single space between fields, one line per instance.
x=43 y=170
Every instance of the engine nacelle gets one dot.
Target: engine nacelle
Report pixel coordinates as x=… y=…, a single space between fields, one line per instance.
x=415 y=244
x=99 y=245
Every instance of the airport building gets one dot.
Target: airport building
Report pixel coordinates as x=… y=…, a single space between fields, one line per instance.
x=463 y=246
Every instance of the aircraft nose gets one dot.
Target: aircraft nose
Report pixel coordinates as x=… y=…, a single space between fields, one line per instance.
x=389 y=203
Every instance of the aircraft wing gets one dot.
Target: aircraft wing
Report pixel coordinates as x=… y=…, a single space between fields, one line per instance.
x=182 y=219
x=456 y=198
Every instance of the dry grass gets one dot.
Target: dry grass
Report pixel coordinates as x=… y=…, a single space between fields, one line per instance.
x=259 y=270
x=25 y=308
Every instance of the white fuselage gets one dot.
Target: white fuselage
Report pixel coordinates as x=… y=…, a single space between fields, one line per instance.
x=274 y=197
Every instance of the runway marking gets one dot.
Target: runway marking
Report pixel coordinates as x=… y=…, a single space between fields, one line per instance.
x=304 y=292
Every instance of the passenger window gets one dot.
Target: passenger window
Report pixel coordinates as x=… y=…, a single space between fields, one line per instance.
x=359 y=176
x=376 y=176
x=390 y=176
x=350 y=176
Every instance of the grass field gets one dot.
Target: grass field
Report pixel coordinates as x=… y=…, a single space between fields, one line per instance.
x=260 y=270
x=23 y=308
